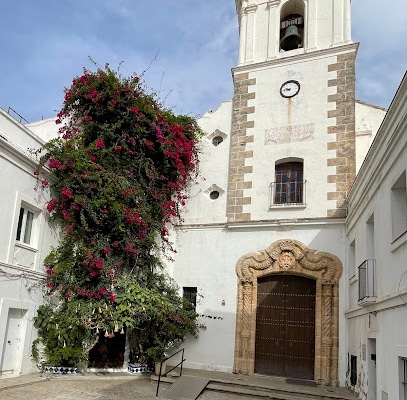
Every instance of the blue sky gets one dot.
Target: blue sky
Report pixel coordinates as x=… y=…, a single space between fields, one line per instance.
x=190 y=44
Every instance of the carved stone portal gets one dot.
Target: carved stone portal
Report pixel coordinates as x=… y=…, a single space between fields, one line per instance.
x=293 y=257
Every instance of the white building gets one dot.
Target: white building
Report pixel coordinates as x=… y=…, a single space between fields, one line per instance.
x=264 y=240
x=305 y=265
x=26 y=238
x=376 y=275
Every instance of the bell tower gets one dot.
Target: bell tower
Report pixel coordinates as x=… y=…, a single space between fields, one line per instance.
x=292 y=152
x=268 y=29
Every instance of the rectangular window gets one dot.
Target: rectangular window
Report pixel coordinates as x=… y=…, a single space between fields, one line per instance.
x=403 y=378
x=399 y=207
x=288 y=189
x=25 y=225
x=353 y=370
x=352 y=260
x=189 y=294
x=367 y=280
x=370 y=238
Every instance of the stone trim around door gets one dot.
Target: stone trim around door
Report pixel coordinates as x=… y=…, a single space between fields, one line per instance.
x=291 y=257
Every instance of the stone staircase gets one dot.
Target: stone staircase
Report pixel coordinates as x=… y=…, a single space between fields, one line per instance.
x=255 y=387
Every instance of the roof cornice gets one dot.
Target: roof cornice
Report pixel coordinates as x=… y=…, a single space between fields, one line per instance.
x=296 y=58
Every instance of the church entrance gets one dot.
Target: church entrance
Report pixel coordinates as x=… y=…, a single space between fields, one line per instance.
x=287 y=317
x=285 y=326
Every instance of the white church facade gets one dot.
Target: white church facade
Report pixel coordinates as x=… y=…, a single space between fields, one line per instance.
x=267 y=238
x=292 y=237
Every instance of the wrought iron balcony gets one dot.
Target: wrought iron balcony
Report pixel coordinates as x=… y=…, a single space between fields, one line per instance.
x=367 y=282
x=287 y=193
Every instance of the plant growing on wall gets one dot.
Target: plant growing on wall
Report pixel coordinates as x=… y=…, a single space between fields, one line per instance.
x=119 y=173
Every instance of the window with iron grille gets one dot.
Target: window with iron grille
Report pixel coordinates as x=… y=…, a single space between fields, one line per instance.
x=289 y=185
x=353 y=370
x=190 y=293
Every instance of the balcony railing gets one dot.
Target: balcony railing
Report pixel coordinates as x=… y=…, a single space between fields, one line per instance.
x=287 y=193
x=367 y=281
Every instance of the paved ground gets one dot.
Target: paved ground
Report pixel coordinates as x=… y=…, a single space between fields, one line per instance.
x=122 y=385
x=63 y=387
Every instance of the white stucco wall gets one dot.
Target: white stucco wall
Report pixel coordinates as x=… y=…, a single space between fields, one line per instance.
x=46 y=129
x=367 y=122
x=307 y=113
x=21 y=265
x=214 y=161
x=206 y=258
x=382 y=319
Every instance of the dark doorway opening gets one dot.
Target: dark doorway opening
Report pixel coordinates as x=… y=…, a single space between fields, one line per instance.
x=108 y=352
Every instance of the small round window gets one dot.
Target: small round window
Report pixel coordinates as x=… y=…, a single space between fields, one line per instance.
x=217 y=140
x=214 y=195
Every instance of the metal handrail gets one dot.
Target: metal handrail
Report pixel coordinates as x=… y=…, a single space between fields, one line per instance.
x=11 y=110
x=172 y=369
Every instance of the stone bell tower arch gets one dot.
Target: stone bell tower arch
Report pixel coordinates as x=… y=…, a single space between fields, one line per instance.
x=291 y=257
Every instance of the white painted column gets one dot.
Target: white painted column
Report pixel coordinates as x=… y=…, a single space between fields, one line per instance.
x=311 y=27
x=337 y=22
x=250 y=33
x=273 y=29
x=242 y=36
x=347 y=22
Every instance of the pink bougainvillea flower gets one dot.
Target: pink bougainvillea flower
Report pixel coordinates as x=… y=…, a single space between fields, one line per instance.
x=65 y=215
x=44 y=182
x=67 y=192
x=100 y=144
x=51 y=205
x=53 y=163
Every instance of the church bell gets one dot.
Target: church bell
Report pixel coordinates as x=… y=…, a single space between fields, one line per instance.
x=291 y=39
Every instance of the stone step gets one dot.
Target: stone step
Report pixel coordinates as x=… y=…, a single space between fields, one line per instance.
x=289 y=392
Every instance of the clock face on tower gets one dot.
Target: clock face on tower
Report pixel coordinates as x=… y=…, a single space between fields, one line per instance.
x=289 y=89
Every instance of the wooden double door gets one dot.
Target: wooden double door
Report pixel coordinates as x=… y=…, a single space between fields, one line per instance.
x=285 y=326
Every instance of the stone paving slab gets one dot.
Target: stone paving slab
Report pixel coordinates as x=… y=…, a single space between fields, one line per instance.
x=107 y=386
x=90 y=387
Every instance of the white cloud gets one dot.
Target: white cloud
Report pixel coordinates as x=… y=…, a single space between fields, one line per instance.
x=49 y=42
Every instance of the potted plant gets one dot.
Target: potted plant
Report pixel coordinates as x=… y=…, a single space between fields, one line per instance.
x=156 y=354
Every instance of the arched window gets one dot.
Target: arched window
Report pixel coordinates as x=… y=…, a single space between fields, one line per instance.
x=292 y=25
x=288 y=187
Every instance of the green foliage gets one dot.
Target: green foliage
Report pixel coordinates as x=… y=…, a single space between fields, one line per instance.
x=118 y=176
x=61 y=338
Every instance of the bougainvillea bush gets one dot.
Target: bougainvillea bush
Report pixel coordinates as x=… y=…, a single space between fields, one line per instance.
x=118 y=175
